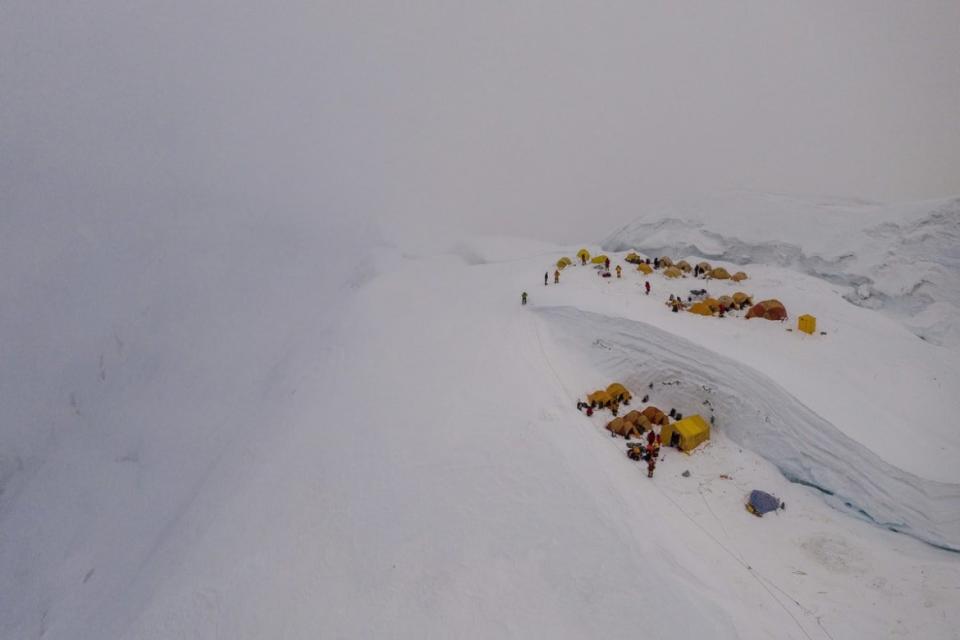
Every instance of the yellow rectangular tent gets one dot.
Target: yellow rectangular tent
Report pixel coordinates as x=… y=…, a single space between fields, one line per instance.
x=807 y=323
x=689 y=433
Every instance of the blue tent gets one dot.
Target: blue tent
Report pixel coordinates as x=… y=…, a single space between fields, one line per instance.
x=761 y=502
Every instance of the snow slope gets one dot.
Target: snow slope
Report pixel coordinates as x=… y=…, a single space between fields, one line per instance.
x=901 y=258
x=276 y=434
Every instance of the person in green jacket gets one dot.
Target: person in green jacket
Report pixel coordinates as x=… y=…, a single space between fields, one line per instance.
x=523 y=298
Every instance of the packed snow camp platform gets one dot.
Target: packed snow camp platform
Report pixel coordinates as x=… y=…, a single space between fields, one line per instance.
x=723 y=370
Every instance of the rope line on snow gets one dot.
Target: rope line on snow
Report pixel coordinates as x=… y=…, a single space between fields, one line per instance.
x=744 y=564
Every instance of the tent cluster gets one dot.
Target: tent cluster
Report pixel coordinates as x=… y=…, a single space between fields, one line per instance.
x=712 y=306
x=768 y=310
x=611 y=397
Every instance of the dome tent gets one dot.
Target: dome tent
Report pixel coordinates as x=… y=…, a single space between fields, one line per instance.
x=599 y=399
x=583 y=255
x=619 y=392
x=672 y=272
x=701 y=308
x=768 y=310
x=738 y=276
x=655 y=416
x=645 y=268
x=761 y=502
x=719 y=273
x=684 y=266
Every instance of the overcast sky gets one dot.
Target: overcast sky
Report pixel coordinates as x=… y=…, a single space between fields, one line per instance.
x=547 y=118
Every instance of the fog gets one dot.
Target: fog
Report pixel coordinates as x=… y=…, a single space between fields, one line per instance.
x=550 y=119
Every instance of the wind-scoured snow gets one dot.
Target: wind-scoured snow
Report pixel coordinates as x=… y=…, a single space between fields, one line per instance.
x=903 y=259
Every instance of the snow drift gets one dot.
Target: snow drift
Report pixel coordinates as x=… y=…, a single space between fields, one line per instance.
x=760 y=415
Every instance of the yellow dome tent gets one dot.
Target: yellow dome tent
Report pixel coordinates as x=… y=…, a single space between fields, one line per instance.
x=726 y=301
x=672 y=272
x=645 y=268
x=701 y=308
x=583 y=255
x=599 y=259
x=713 y=303
x=633 y=258
x=665 y=261
x=738 y=276
x=740 y=298
x=720 y=274
x=561 y=264
x=686 y=434
x=599 y=399
x=704 y=267
x=619 y=392
x=684 y=266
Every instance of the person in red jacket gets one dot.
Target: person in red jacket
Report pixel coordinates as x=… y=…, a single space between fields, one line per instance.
x=646 y=285
x=606 y=263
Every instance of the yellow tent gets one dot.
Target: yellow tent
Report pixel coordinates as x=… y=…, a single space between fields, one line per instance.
x=583 y=255
x=619 y=392
x=704 y=266
x=738 y=276
x=599 y=399
x=713 y=303
x=561 y=264
x=701 y=308
x=726 y=301
x=633 y=258
x=741 y=298
x=806 y=323
x=599 y=259
x=684 y=266
x=666 y=262
x=645 y=268
x=686 y=434
x=720 y=274
x=672 y=272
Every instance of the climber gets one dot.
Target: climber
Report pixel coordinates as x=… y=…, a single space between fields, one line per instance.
x=606 y=263
x=545 y=277
x=646 y=285
x=556 y=277
x=618 y=270
x=523 y=298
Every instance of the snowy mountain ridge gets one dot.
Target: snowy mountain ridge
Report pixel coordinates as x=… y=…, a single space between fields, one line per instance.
x=902 y=259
